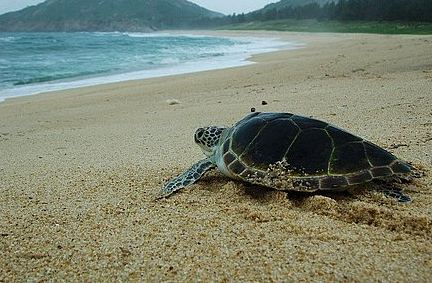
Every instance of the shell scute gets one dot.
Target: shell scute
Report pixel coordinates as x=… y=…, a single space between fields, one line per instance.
x=226 y=146
x=341 y=137
x=310 y=153
x=331 y=182
x=399 y=167
x=236 y=167
x=249 y=117
x=381 y=171
x=228 y=157
x=308 y=123
x=245 y=133
x=271 y=143
x=359 y=177
x=272 y=116
x=349 y=158
x=306 y=184
x=377 y=156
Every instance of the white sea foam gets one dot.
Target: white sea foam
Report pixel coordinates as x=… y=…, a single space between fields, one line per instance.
x=228 y=57
x=140 y=34
x=9 y=39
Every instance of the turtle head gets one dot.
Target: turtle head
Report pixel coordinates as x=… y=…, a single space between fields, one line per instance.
x=208 y=138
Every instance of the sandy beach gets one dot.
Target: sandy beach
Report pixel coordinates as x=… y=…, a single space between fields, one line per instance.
x=79 y=170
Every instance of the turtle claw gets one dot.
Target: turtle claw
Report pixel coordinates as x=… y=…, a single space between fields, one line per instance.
x=159 y=195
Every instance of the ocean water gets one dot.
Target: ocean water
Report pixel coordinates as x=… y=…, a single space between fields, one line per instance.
x=31 y=63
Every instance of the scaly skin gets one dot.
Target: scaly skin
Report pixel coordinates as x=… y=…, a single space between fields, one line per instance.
x=186 y=179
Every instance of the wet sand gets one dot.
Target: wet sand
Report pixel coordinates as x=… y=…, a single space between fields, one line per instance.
x=79 y=169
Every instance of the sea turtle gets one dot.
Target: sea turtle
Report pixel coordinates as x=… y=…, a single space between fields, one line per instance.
x=285 y=151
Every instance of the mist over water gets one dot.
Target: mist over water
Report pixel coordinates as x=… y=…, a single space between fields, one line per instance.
x=32 y=63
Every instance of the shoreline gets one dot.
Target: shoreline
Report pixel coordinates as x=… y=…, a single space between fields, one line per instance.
x=80 y=168
x=256 y=46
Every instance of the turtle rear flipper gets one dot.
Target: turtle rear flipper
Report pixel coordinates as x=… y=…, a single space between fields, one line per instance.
x=389 y=188
x=395 y=193
x=189 y=177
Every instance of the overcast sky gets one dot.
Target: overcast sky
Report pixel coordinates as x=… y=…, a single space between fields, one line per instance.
x=222 y=6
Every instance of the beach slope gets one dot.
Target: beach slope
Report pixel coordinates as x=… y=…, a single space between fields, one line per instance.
x=79 y=169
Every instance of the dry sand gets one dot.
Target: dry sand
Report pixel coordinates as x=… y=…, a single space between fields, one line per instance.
x=78 y=170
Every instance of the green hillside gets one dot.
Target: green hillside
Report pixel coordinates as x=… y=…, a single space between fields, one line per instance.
x=104 y=15
x=287 y=3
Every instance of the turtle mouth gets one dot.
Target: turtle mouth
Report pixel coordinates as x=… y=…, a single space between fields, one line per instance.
x=207 y=152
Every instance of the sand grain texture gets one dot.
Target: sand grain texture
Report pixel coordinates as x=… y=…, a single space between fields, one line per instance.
x=79 y=169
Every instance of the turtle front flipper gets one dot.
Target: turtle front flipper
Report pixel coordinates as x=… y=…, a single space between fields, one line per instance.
x=189 y=177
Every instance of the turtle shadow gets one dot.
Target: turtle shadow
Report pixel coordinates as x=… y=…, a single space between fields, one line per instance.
x=297 y=198
x=216 y=180
x=257 y=192
x=264 y=194
x=336 y=195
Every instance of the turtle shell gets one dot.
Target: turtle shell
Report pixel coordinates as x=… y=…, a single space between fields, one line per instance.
x=314 y=153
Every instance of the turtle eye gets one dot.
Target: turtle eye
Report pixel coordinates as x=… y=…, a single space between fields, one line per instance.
x=199 y=135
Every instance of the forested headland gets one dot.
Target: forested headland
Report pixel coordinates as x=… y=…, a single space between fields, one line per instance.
x=342 y=11
x=372 y=16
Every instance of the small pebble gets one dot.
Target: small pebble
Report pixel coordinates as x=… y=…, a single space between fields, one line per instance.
x=253 y=109
x=172 y=101
x=264 y=102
